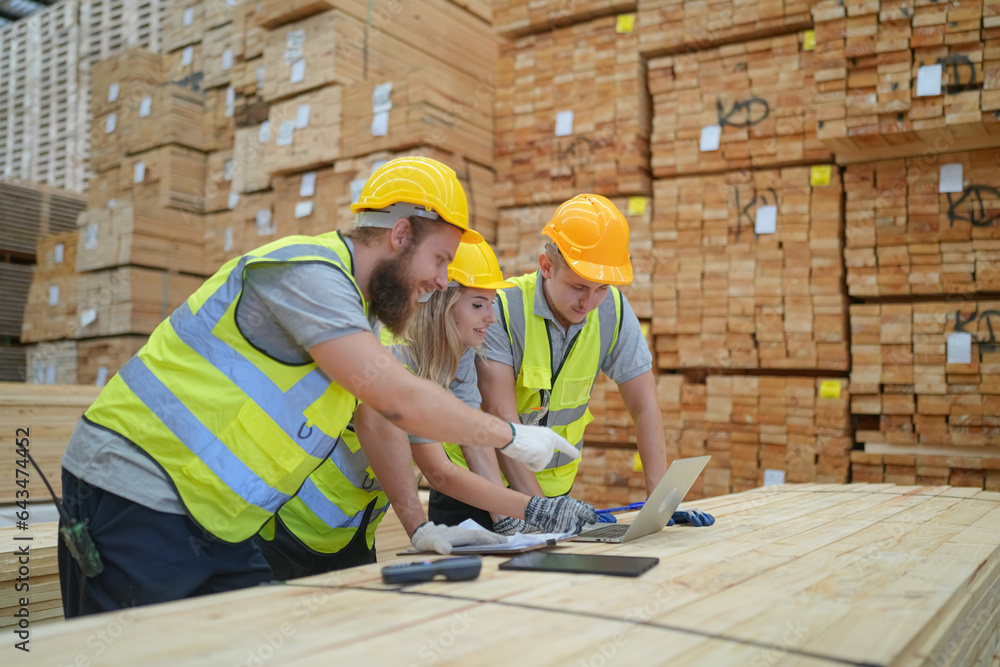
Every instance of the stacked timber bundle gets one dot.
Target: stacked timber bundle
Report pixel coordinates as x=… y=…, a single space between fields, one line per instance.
x=51 y=414
x=672 y=26
x=30 y=211
x=757 y=97
x=50 y=312
x=45 y=595
x=927 y=372
x=970 y=469
x=572 y=116
x=169 y=114
x=924 y=225
x=522 y=17
x=519 y=242
x=52 y=362
x=913 y=77
x=753 y=271
x=99 y=359
x=172 y=176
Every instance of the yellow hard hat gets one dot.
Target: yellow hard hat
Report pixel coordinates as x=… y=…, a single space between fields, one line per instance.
x=592 y=235
x=413 y=186
x=476 y=265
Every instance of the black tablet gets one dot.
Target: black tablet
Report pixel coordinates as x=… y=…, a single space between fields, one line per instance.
x=544 y=561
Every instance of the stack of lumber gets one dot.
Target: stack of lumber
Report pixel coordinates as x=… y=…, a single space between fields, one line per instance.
x=52 y=362
x=726 y=296
x=51 y=413
x=29 y=211
x=250 y=169
x=223 y=55
x=672 y=26
x=13 y=362
x=305 y=131
x=901 y=374
x=907 y=237
x=806 y=575
x=219 y=120
x=572 y=116
x=522 y=17
x=519 y=242
x=99 y=359
x=170 y=176
x=185 y=67
x=219 y=167
x=43 y=577
x=140 y=232
x=50 y=311
x=129 y=300
x=434 y=106
x=762 y=95
x=969 y=469
x=913 y=78
x=307 y=203
x=16 y=280
x=169 y=114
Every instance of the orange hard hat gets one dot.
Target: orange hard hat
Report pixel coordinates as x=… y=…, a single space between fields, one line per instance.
x=592 y=235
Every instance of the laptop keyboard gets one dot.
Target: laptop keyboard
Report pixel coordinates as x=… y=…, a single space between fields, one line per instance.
x=609 y=530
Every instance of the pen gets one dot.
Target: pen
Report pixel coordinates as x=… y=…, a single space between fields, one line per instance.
x=612 y=510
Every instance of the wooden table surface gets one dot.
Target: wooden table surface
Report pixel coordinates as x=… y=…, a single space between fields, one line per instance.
x=862 y=574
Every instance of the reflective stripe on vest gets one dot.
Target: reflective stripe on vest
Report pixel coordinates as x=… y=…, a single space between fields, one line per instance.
x=569 y=392
x=237 y=431
x=328 y=510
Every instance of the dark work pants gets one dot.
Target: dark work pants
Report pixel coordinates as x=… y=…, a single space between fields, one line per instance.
x=148 y=556
x=289 y=558
x=446 y=510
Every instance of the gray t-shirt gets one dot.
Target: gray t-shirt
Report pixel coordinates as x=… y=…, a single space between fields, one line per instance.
x=284 y=310
x=630 y=357
x=464 y=387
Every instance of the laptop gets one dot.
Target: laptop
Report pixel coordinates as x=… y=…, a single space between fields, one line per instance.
x=659 y=508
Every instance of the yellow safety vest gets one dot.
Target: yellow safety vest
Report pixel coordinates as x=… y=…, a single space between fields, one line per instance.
x=569 y=387
x=237 y=431
x=327 y=512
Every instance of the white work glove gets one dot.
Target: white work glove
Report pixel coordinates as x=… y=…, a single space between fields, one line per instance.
x=433 y=537
x=510 y=525
x=534 y=446
x=562 y=514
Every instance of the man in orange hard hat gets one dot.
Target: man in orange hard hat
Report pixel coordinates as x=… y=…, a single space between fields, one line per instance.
x=560 y=327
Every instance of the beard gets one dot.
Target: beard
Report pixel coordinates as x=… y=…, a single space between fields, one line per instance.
x=392 y=287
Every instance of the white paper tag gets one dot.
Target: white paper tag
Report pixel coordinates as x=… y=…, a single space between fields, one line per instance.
x=234 y=199
x=187 y=56
x=50 y=374
x=308 y=186
x=102 y=376
x=302 y=117
x=264 y=133
x=356 y=186
x=113 y=92
x=259 y=77
x=230 y=101
x=303 y=208
x=960 y=348
x=382 y=97
x=766 y=221
x=227 y=60
x=53 y=295
x=230 y=3
x=112 y=203
x=264 y=226
x=227 y=170
x=286 y=132
x=58 y=253
x=298 y=71
x=929 y=80
x=380 y=124
x=950 y=178
x=296 y=40
x=139 y=172
x=188 y=16
x=227 y=242
x=90 y=242
x=88 y=316
x=564 y=123
x=773 y=477
x=110 y=123
x=711 y=135
x=145 y=107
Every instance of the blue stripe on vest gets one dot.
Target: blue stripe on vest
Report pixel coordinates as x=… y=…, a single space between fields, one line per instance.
x=353 y=466
x=327 y=511
x=233 y=472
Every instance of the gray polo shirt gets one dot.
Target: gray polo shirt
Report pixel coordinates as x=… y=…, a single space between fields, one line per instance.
x=285 y=309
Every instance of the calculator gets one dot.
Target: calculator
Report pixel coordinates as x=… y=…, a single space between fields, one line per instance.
x=461 y=568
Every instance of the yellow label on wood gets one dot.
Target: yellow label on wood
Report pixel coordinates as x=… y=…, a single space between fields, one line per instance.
x=809 y=40
x=820 y=175
x=636 y=463
x=829 y=389
x=637 y=205
x=644 y=328
x=626 y=23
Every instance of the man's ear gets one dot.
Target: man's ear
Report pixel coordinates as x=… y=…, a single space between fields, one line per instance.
x=399 y=235
x=546 y=265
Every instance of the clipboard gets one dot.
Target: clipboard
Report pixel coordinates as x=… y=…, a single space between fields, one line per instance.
x=548 y=561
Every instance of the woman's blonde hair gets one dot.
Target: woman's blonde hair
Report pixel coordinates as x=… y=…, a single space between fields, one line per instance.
x=435 y=344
